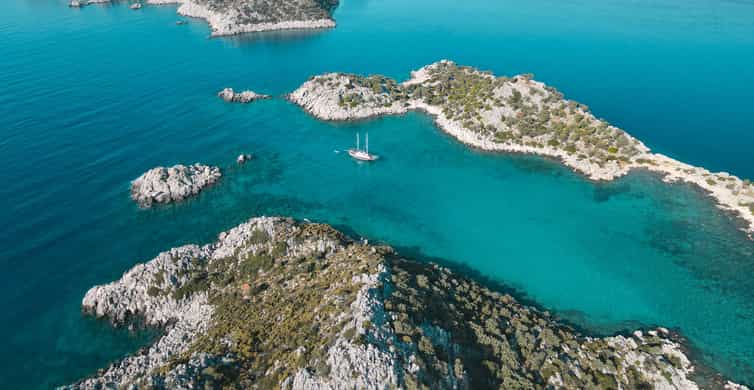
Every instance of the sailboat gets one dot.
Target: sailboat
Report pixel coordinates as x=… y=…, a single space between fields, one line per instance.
x=362 y=155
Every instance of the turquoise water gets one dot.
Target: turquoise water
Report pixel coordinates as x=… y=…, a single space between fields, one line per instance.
x=91 y=98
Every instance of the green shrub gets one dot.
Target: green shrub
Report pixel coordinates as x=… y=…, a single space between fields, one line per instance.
x=153 y=291
x=259 y=237
x=279 y=249
x=503 y=136
x=197 y=282
x=674 y=360
x=254 y=263
x=159 y=277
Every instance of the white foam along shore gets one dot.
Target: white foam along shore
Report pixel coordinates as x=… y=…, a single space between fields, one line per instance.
x=323 y=97
x=228 y=22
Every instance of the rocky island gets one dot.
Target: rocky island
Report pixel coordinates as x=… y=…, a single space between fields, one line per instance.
x=275 y=303
x=231 y=96
x=165 y=185
x=230 y=17
x=513 y=114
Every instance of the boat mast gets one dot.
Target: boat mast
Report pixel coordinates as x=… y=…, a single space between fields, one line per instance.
x=367 y=136
x=357 y=141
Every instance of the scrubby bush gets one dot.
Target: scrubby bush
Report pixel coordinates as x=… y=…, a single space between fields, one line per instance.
x=153 y=291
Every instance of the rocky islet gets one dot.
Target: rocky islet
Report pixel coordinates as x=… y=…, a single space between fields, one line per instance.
x=176 y=183
x=231 y=96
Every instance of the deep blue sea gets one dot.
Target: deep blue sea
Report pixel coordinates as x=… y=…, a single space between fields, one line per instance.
x=92 y=98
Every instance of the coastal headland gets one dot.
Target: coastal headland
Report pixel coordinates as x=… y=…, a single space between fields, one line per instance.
x=275 y=303
x=515 y=115
x=231 y=17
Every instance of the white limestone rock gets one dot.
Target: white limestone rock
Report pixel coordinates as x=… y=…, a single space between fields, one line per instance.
x=231 y=96
x=322 y=97
x=165 y=185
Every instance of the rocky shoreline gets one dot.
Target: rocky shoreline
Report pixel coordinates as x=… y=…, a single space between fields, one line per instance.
x=232 y=17
x=176 y=183
x=514 y=115
x=278 y=303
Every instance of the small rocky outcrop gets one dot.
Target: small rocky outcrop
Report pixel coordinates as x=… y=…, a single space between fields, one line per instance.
x=243 y=158
x=274 y=303
x=165 y=185
x=230 y=96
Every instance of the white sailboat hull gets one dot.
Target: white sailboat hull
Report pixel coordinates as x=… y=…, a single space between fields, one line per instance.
x=362 y=155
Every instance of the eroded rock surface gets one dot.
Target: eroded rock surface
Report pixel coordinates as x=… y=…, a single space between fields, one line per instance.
x=231 y=96
x=275 y=303
x=165 y=185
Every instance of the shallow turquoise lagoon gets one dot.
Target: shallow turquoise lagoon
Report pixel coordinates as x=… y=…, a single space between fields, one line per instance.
x=91 y=98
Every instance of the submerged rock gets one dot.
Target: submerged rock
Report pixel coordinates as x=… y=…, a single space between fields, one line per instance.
x=165 y=185
x=76 y=4
x=243 y=158
x=275 y=303
x=229 y=96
